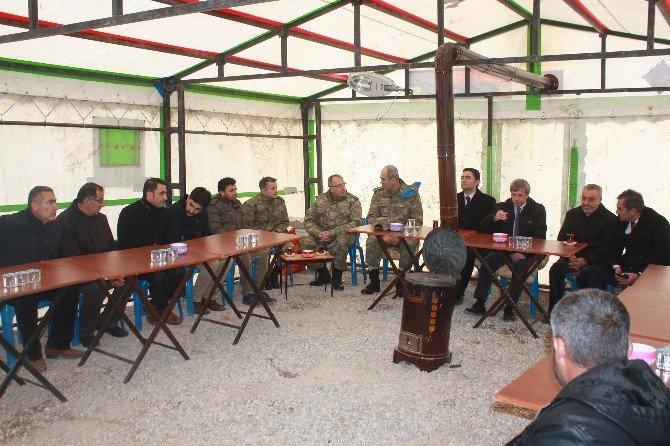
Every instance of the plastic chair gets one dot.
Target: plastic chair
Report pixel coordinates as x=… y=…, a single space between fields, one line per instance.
x=533 y=284
x=353 y=261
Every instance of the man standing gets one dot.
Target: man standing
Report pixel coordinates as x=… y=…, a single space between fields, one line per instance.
x=394 y=201
x=520 y=215
x=28 y=236
x=473 y=206
x=188 y=221
x=606 y=399
x=146 y=222
x=589 y=223
x=86 y=231
x=267 y=212
x=643 y=238
x=326 y=222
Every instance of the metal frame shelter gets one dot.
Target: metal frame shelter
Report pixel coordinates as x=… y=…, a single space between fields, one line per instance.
x=132 y=23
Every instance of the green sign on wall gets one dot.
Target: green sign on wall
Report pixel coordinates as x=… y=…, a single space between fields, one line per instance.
x=119 y=147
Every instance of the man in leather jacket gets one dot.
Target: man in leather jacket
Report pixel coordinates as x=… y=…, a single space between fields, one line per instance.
x=606 y=399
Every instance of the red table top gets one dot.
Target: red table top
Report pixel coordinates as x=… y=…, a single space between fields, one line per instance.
x=421 y=232
x=480 y=240
x=223 y=245
x=53 y=277
x=537 y=386
x=649 y=311
x=655 y=277
x=129 y=262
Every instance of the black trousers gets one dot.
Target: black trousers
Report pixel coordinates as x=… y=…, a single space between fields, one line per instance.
x=593 y=276
x=557 y=274
x=62 y=322
x=162 y=285
x=89 y=313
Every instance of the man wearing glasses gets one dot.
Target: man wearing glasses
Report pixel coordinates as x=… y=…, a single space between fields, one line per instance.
x=326 y=222
x=85 y=230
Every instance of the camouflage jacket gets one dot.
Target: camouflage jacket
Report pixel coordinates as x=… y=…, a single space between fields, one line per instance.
x=224 y=215
x=333 y=215
x=398 y=206
x=266 y=214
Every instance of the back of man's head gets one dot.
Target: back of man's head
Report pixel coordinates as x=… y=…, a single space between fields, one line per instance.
x=593 y=325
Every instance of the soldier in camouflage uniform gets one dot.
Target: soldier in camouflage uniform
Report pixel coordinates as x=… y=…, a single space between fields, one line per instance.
x=395 y=201
x=267 y=212
x=326 y=222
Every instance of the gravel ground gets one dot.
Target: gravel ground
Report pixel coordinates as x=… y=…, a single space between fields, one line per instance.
x=324 y=377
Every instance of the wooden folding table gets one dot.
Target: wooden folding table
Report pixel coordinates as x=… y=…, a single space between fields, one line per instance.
x=54 y=277
x=537 y=251
x=224 y=246
x=129 y=264
x=399 y=274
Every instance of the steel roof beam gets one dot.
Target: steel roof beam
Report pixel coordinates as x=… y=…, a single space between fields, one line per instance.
x=14 y=20
x=293 y=30
x=610 y=32
x=408 y=17
x=125 y=19
x=587 y=15
x=664 y=7
x=514 y=6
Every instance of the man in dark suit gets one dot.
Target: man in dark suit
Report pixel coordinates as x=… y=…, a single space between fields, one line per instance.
x=643 y=239
x=520 y=215
x=473 y=206
x=589 y=223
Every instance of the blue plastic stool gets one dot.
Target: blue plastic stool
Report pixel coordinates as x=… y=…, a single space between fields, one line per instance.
x=534 y=290
x=353 y=248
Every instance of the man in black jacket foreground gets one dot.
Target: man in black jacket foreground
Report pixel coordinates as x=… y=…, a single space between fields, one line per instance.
x=643 y=239
x=520 y=215
x=589 y=223
x=606 y=399
x=85 y=230
x=473 y=206
x=146 y=223
x=32 y=235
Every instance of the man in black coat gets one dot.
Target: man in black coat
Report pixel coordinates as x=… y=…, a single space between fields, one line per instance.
x=520 y=215
x=146 y=223
x=85 y=230
x=606 y=399
x=589 y=223
x=473 y=206
x=643 y=239
x=32 y=235
x=188 y=221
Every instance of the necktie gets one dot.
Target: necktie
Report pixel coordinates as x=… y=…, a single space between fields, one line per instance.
x=515 y=231
x=467 y=200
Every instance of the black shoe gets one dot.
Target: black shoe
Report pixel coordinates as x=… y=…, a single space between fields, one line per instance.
x=247 y=299
x=267 y=298
x=459 y=299
x=373 y=286
x=508 y=314
x=87 y=341
x=318 y=280
x=117 y=332
x=399 y=289
x=477 y=308
x=337 y=279
x=197 y=307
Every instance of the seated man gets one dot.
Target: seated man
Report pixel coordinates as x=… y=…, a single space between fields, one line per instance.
x=643 y=239
x=395 y=201
x=326 y=222
x=32 y=235
x=520 y=215
x=606 y=399
x=589 y=223
x=188 y=221
x=473 y=206
x=86 y=231
x=146 y=222
x=267 y=212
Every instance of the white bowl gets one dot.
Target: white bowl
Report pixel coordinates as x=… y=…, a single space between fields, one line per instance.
x=645 y=352
x=499 y=237
x=181 y=247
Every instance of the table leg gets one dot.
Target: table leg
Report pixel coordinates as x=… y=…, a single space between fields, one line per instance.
x=537 y=259
x=399 y=274
x=217 y=284
x=505 y=293
x=160 y=321
x=21 y=358
x=257 y=296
